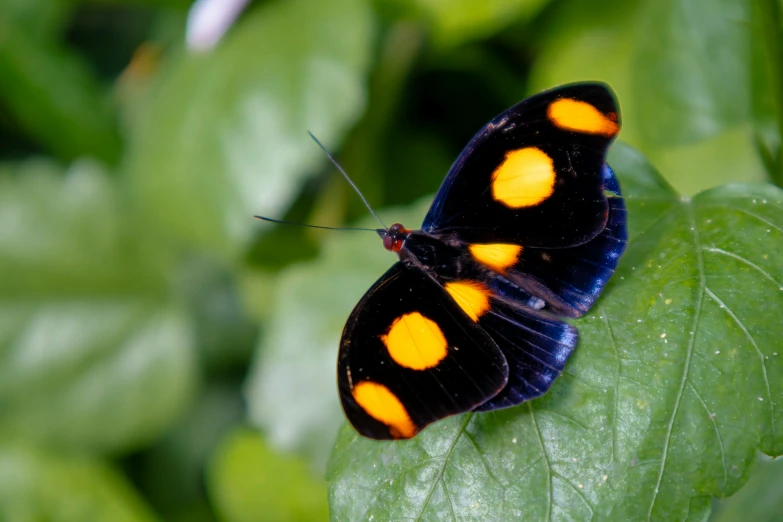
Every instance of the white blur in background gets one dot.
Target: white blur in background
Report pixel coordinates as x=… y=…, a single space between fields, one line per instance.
x=208 y=21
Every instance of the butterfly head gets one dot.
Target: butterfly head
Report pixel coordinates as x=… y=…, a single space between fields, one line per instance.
x=393 y=237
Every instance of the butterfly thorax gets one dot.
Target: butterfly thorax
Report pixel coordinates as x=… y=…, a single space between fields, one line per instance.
x=447 y=260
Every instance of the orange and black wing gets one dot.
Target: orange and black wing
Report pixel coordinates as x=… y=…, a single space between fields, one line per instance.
x=568 y=281
x=410 y=355
x=535 y=345
x=533 y=175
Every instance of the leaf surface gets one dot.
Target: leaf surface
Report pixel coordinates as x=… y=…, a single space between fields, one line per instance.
x=40 y=485
x=453 y=22
x=225 y=135
x=94 y=354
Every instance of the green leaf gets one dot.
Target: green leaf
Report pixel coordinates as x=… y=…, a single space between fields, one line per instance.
x=691 y=75
x=51 y=94
x=248 y=481
x=760 y=500
x=675 y=386
x=767 y=82
x=453 y=22
x=726 y=158
x=292 y=388
x=40 y=18
x=225 y=136
x=698 y=131
x=37 y=485
x=94 y=354
x=70 y=234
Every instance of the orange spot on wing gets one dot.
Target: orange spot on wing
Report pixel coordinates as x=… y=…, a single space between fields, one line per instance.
x=471 y=296
x=580 y=116
x=497 y=256
x=415 y=342
x=525 y=178
x=382 y=405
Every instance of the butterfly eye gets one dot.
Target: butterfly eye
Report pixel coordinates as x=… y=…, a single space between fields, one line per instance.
x=388 y=242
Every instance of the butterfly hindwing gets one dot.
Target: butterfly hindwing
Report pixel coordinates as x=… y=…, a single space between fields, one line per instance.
x=536 y=345
x=536 y=348
x=532 y=176
x=410 y=355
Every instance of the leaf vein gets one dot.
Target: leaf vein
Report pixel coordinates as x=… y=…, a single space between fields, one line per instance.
x=688 y=355
x=439 y=477
x=566 y=418
x=653 y=223
x=763 y=220
x=578 y=492
x=747 y=262
x=484 y=461
x=760 y=354
x=617 y=368
x=711 y=418
x=546 y=461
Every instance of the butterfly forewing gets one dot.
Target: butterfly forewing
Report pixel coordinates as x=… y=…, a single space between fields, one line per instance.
x=571 y=279
x=410 y=355
x=532 y=176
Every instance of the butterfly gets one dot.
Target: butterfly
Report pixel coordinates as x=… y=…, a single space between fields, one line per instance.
x=527 y=228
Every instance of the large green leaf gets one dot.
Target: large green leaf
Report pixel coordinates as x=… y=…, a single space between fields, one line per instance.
x=691 y=76
x=225 y=135
x=675 y=386
x=93 y=353
x=38 y=485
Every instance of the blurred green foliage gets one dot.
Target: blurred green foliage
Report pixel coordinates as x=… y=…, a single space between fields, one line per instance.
x=147 y=322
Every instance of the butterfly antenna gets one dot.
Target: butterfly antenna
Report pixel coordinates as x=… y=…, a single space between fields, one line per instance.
x=350 y=181
x=281 y=222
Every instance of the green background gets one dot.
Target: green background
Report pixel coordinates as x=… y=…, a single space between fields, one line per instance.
x=164 y=356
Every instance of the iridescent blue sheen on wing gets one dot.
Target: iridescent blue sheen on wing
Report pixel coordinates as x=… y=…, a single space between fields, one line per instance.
x=570 y=280
x=536 y=349
x=610 y=180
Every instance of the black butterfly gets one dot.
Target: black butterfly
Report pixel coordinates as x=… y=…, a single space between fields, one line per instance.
x=528 y=225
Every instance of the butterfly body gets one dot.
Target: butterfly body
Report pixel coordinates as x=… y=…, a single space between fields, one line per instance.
x=447 y=260
x=527 y=227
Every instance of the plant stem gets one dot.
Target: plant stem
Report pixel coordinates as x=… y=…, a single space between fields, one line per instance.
x=772 y=36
